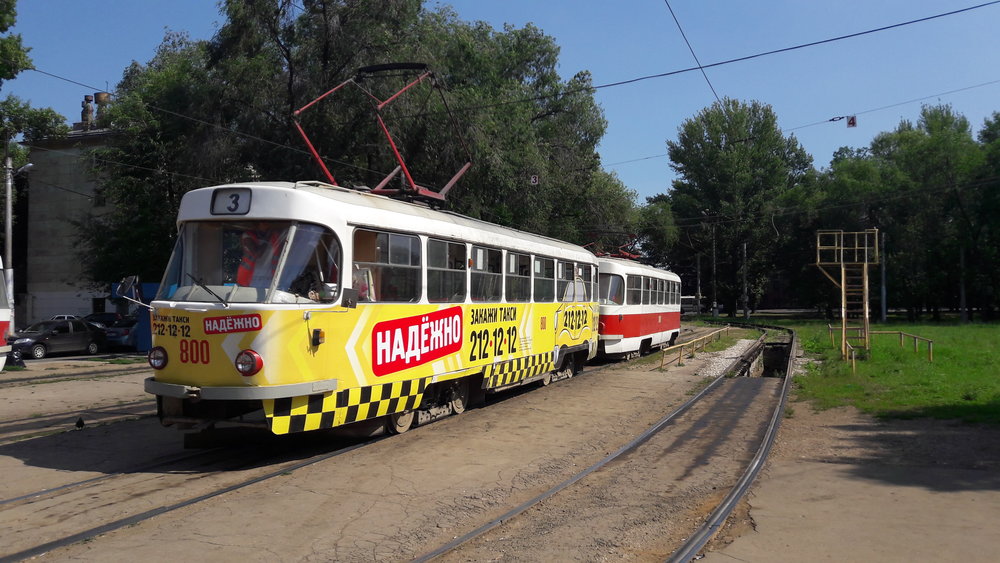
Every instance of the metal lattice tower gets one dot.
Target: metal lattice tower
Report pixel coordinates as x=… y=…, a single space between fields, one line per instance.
x=845 y=258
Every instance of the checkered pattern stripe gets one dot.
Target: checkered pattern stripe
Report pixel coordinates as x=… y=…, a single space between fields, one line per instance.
x=519 y=369
x=326 y=410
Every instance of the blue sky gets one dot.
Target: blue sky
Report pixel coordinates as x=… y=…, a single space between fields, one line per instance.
x=882 y=77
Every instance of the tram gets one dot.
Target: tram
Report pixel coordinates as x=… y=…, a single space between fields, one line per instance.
x=640 y=308
x=305 y=306
x=6 y=317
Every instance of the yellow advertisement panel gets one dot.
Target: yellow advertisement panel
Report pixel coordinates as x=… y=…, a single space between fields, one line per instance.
x=374 y=360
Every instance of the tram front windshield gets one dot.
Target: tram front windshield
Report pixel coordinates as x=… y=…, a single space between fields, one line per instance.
x=253 y=262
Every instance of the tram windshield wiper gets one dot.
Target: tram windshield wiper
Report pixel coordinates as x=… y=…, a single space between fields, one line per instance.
x=202 y=285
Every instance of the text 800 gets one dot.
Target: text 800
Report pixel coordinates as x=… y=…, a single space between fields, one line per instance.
x=194 y=352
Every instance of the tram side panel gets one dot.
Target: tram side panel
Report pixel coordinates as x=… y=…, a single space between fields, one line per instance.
x=375 y=360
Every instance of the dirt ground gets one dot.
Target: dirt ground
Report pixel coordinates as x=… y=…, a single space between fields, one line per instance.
x=843 y=486
x=839 y=485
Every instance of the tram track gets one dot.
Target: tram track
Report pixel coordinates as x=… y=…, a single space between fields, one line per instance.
x=122 y=499
x=63 y=515
x=697 y=436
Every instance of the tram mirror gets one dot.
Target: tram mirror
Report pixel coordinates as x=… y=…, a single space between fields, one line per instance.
x=126 y=285
x=349 y=298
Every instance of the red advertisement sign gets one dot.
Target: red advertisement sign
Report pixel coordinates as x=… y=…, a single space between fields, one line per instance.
x=235 y=323
x=412 y=341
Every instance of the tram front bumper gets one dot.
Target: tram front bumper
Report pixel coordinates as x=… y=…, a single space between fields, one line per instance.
x=178 y=391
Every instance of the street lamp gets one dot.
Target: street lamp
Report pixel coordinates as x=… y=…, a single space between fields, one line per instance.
x=8 y=227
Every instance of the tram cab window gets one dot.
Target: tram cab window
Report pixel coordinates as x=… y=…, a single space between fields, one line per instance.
x=238 y=261
x=518 y=277
x=446 y=266
x=634 y=292
x=487 y=279
x=612 y=289
x=544 y=284
x=312 y=266
x=388 y=264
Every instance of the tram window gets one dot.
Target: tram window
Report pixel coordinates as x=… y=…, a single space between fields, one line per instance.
x=446 y=280
x=588 y=279
x=393 y=264
x=564 y=276
x=231 y=261
x=661 y=290
x=487 y=277
x=545 y=273
x=634 y=292
x=645 y=290
x=312 y=265
x=612 y=289
x=518 y=277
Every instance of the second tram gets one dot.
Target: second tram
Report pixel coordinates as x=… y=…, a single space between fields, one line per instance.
x=640 y=308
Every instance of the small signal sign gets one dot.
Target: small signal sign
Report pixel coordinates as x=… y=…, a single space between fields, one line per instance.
x=852 y=121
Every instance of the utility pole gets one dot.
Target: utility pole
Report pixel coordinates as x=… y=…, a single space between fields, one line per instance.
x=885 y=308
x=8 y=259
x=746 y=294
x=697 y=294
x=715 y=303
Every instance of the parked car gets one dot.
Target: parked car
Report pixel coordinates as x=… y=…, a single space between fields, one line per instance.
x=47 y=337
x=64 y=317
x=122 y=333
x=103 y=320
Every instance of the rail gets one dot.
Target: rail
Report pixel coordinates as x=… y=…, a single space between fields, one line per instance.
x=916 y=341
x=692 y=345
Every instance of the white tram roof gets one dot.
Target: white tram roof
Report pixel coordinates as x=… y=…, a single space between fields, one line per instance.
x=316 y=202
x=608 y=265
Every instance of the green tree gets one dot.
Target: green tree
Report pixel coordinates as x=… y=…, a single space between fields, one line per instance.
x=221 y=110
x=733 y=165
x=13 y=55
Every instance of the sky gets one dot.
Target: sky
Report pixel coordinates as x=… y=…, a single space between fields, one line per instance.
x=881 y=78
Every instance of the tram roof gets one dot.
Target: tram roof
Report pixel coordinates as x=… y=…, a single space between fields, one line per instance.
x=367 y=209
x=608 y=264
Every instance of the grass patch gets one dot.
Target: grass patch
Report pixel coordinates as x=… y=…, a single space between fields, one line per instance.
x=127 y=361
x=897 y=382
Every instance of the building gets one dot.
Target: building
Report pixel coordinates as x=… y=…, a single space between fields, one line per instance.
x=48 y=276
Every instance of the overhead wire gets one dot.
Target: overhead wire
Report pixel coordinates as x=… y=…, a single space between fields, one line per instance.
x=700 y=67
x=690 y=48
x=838 y=118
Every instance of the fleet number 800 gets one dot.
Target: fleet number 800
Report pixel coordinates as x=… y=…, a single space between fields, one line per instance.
x=194 y=352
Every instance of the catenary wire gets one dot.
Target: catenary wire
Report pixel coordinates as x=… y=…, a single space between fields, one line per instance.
x=619 y=83
x=690 y=48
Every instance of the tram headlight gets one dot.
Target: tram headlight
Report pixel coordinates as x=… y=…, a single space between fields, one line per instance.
x=248 y=363
x=157 y=358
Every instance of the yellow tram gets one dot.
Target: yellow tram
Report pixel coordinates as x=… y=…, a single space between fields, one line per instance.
x=301 y=306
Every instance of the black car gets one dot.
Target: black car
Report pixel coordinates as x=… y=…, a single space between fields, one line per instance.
x=103 y=320
x=47 y=337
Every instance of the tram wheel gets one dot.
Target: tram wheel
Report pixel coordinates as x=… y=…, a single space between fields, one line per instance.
x=399 y=422
x=568 y=368
x=459 y=397
x=547 y=379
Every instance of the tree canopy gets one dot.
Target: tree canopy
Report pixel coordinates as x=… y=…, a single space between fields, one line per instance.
x=207 y=112
x=733 y=164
